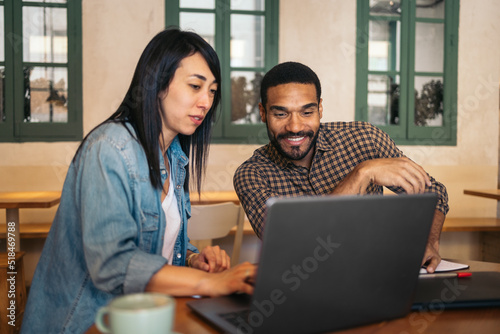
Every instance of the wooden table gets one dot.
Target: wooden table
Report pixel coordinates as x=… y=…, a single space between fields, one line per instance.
x=488 y=193
x=13 y=201
x=466 y=321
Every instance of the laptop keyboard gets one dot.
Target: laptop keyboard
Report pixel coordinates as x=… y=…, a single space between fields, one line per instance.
x=236 y=318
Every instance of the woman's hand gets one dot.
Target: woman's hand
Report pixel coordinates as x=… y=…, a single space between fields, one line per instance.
x=239 y=279
x=212 y=259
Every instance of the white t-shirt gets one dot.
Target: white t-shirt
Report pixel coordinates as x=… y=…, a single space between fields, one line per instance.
x=173 y=218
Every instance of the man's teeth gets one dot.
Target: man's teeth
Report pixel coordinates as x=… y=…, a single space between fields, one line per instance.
x=295 y=138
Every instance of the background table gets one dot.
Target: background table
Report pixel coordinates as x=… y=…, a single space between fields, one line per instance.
x=13 y=201
x=466 y=321
x=488 y=193
x=214 y=197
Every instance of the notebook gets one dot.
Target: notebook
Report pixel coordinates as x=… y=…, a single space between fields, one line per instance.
x=329 y=263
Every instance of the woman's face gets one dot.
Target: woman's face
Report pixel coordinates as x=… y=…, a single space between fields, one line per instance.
x=188 y=98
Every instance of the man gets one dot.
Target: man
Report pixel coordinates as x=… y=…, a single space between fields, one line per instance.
x=305 y=157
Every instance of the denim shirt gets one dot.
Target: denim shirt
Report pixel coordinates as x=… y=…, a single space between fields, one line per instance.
x=107 y=236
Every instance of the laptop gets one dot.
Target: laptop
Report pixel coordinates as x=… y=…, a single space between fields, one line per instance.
x=329 y=263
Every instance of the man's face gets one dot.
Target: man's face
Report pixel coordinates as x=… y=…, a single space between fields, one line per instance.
x=292 y=115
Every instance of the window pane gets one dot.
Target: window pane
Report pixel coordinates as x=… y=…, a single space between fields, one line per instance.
x=431 y=9
x=385 y=7
x=383 y=99
x=2 y=94
x=429 y=101
x=46 y=93
x=247 y=40
x=384 y=45
x=245 y=97
x=45 y=35
x=202 y=23
x=247 y=5
x=2 y=36
x=205 y=4
x=429 y=47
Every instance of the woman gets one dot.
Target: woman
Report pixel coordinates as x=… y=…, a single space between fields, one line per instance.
x=121 y=224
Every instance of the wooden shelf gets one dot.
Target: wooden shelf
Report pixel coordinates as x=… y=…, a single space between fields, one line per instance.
x=471 y=224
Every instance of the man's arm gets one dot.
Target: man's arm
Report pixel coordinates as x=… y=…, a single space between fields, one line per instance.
x=389 y=172
x=431 y=256
x=402 y=173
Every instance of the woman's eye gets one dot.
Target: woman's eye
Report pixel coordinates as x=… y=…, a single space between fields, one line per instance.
x=195 y=86
x=213 y=91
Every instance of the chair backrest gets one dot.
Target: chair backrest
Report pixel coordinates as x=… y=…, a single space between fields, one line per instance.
x=216 y=221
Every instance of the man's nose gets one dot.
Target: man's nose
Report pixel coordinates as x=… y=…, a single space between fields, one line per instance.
x=294 y=123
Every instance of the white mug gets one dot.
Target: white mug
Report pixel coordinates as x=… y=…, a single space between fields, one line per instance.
x=145 y=313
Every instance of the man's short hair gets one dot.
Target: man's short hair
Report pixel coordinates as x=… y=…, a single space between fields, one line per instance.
x=288 y=72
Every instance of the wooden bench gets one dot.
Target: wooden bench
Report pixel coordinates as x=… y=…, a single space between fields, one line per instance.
x=29 y=230
x=472 y=224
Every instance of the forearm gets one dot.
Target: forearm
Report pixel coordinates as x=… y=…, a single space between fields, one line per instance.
x=355 y=183
x=178 y=281
x=436 y=227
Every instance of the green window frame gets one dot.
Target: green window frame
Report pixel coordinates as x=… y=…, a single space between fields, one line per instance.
x=16 y=124
x=226 y=131
x=409 y=129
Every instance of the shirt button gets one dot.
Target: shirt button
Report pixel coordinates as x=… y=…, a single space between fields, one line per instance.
x=163 y=172
x=178 y=186
x=179 y=255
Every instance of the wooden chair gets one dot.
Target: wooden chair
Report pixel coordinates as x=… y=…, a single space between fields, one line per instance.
x=214 y=221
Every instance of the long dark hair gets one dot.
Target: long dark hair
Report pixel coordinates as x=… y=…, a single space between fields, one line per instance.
x=141 y=104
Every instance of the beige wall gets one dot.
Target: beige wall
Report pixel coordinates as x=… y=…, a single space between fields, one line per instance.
x=116 y=31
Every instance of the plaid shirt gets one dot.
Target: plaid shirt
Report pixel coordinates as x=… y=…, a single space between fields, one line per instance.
x=340 y=147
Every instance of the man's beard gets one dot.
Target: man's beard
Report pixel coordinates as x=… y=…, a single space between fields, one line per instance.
x=296 y=153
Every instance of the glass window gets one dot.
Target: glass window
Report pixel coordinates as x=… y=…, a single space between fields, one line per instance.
x=202 y=23
x=247 y=40
x=403 y=84
x=205 y=4
x=248 y=4
x=45 y=35
x=244 y=33
x=40 y=71
x=429 y=47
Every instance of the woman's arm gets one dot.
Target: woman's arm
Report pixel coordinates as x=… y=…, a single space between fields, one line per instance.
x=184 y=281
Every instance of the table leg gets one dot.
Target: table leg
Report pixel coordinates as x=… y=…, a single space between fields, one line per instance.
x=13 y=227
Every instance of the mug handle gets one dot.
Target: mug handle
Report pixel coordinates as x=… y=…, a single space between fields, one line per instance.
x=99 y=320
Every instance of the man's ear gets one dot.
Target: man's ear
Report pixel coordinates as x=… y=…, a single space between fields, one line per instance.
x=262 y=112
x=320 y=108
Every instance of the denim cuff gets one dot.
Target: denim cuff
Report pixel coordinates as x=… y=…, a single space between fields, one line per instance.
x=141 y=268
